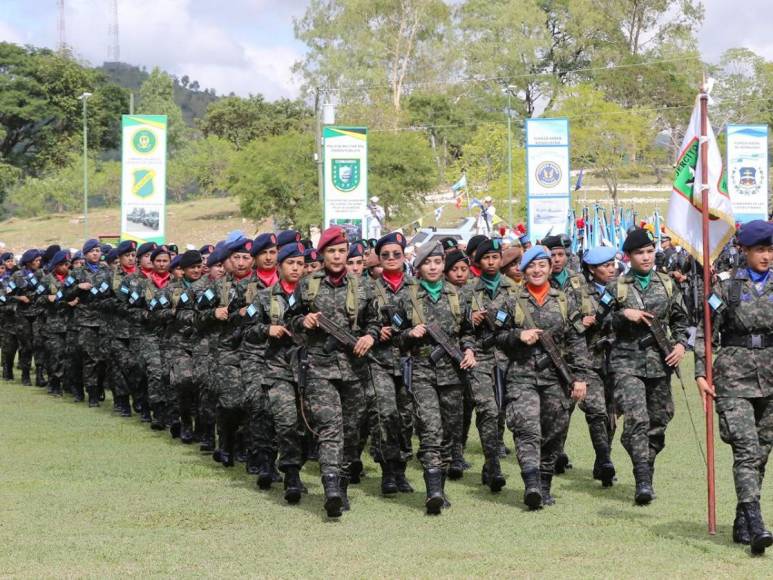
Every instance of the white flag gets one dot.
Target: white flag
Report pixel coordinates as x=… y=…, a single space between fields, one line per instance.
x=685 y=220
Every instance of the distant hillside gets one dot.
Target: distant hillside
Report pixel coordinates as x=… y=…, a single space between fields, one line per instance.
x=192 y=99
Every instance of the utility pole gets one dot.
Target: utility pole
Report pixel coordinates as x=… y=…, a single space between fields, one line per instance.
x=318 y=139
x=509 y=90
x=84 y=98
x=113 y=45
x=62 y=45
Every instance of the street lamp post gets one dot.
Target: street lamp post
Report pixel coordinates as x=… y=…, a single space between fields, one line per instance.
x=84 y=98
x=509 y=90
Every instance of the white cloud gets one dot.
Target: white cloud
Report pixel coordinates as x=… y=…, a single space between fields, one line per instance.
x=9 y=34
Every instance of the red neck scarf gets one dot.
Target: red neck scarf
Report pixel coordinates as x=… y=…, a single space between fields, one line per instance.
x=127 y=270
x=475 y=271
x=240 y=278
x=147 y=272
x=60 y=277
x=287 y=288
x=336 y=279
x=159 y=279
x=540 y=293
x=268 y=277
x=393 y=279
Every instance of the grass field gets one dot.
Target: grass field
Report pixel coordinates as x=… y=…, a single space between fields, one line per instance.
x=83 y=493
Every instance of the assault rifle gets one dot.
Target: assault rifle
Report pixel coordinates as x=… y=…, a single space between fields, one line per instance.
x=339 y=334
x=445 y=346
x=554 y=357
x=659 y=338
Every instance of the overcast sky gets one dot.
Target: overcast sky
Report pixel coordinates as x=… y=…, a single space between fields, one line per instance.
x=247 y=46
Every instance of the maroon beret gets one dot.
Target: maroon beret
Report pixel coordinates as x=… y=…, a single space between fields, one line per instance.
x=332 y=236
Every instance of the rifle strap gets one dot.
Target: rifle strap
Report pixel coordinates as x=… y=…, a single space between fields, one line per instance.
x=622 y=287
x=417 y=312
x=275 y=310
x=586 y=306
x=523 y=315
x=352 y=297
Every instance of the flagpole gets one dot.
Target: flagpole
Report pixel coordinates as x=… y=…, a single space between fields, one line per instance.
x=707 y=334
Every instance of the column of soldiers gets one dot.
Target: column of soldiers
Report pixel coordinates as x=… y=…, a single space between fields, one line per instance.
x=270 y=352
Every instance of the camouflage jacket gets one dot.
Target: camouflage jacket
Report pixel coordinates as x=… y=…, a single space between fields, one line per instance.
x=577 y=288
x=114 y=307
x=385 y=309
x=628 y=355
x=487 y=353
x=554 y=315
x=29 y=284
x=600 y=336
x=252 y=350
x=230 y=293
x=452 y=314
x=180 y=320
x=345 y=305
x=58 y=312
x=89 y=310
x=746 y=311
x=160 y=311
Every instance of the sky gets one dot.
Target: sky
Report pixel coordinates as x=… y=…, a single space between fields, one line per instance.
x=248 y=46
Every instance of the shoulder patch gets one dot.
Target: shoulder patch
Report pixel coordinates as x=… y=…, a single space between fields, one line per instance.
x=724 y=276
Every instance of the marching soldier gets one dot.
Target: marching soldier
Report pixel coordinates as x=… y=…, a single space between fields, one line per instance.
x=543 y=378
x=743 y=375
x=57 y=316
x=22 y=286
x=641 y=371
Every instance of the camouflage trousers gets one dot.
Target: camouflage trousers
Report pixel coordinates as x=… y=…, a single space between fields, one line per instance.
x=383 y=414
x=747 y=426
x=647 y=408
x=274 y=422
x=438 y=422
x=9 y=345
x=39 y=347
x=56 y=355
x=124 y=373
x=538 y=417
x=595 y=408
x=73 y=373
x=182 y=378
x=90 y=354
x=25 y=338
x=202 y=362
x=486 y=411
x=336 y=408
x=145 y=348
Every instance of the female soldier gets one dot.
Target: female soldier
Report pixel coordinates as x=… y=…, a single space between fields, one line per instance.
x=743 y=375
x=538 y=397
x=437 y=386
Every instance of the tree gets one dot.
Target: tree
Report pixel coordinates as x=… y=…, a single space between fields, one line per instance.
x=372 y=50
x=605 y=137
x=200 y=168
x=157 y=98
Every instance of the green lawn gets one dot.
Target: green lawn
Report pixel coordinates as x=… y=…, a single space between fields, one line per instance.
x=83 y=493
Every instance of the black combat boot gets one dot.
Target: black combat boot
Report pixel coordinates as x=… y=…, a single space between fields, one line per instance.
x=456 y=469
x=176 y=429
x=740 y=527
x=207 y=439
x=403 y=485
x=333 y=499
x=159 y=413
x=546 y=481
x=603 y=468
x=186 y=430
x=388 y=481
x=356 y=472
x=275 y=475
x=40 y=379
x=343 y=482
x=643 y=476
x=759 y=537
x=293 y=485
x=265 y=474
x=144 y=411
x=124 y=406
x=25 y=378
x=562 y=464
x=492 y=475
x=8 y=370
x=55 y=387
x=446 y=501
x=93 y=397
x=532 y=495
x=433 y=479
x=77 y=394
x=225 y=454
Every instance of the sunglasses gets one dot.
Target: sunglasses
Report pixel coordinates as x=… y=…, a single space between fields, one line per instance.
x=387 y=255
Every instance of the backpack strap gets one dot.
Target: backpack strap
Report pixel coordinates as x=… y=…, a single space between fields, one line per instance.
x=622 y=290
x=353 y=301
x=668 y=284
x=417 y=312
x=312 y=289
x=586 y=306
x=250 y=292
x=275 y=310
x=453 y=303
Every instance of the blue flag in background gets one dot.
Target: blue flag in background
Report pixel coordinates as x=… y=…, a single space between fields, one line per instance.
x=461 y=184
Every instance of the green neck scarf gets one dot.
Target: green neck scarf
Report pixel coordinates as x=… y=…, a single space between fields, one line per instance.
x=561 y=277
x=434 y=289
x=643 y=279
x=491 y=283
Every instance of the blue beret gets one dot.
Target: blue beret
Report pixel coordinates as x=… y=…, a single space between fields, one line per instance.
x=263 y=242
x=112 y=255
x=206 y=250
x=29 y=256
x=158 y=251
x=59 y=257
x=390 y=238
x=240 y=245
x=216 y=256
x=145 y=248
x=599 y=255
x=311 y=255
x=105 y=248
x=287 y=237
x=77 y=255
x=6 y=256
x=755 y=233
x=175 y=263
x=293 y=250
x=90 y=245
x=356 y=250
x=126 y=246
x=524 y=238
x=534 y=253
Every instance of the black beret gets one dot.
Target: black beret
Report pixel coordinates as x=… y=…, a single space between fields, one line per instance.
x=6 y=256
x=551 y=242
x=487 y=247
x=158 y=251
x=112 y=256
x=190 y=258
x=454 y=257
x=206 y=249
x=50 y=252
x=638 y=238
x=448 y=243
x=307 y=243
x=311 y=255
x=173 y=248
x=474 y=242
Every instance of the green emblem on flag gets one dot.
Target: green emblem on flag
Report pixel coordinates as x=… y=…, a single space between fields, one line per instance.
x=346 y=174
x=143 y=182
x=684 y=176
x=144 y=141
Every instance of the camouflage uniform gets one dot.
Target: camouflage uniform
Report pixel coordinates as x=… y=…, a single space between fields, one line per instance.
x=334 y=389
x=743 y=376
x=24 y=282
x=538 y=404
x=89 y=320
x=203 y=368
x=161 y=312
x=9 y=343
x=642 y=380
x=58 y=316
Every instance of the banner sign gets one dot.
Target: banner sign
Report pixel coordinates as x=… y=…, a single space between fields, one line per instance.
x=143 y=178
x=547 y=183
x=747 y=171
x=345 y=181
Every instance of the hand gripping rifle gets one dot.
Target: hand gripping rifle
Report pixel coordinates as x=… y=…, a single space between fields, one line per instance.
x=499 y=376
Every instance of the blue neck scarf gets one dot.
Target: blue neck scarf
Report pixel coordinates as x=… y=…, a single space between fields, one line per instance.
x=92 y=267
x=758 y=277
x=600 y=287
